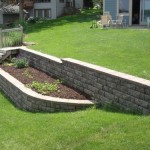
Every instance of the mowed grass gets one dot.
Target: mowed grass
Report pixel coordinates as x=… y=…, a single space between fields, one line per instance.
x=92 y=129
x=125 y=50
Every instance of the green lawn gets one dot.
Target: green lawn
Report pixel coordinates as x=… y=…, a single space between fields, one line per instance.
x=92 y=129
x=125 y=50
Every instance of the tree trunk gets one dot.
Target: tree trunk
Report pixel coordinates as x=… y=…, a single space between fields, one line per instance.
x=21 y=10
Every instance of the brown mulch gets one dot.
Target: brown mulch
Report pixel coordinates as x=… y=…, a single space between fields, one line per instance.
x=63 y=90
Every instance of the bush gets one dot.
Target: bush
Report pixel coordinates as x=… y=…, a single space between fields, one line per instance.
x=44 y=88
x=31 y=20
x=20 y=62
x=23 y=23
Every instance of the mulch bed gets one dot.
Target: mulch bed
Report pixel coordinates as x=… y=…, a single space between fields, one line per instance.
x=63 y=90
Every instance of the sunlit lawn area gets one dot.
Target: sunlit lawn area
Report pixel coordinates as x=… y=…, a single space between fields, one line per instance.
x=125 y=50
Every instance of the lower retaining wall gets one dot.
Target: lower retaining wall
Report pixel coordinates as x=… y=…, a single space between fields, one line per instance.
x=102 y=84
x=26 y=99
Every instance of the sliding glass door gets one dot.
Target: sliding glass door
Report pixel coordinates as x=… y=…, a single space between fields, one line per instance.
x=145 y=11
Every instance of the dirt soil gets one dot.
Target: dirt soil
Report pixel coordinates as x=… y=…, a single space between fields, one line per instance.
x=27 y=75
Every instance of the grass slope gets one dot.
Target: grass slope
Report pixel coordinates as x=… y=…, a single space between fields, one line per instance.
x=125 y=50
x=87 y=130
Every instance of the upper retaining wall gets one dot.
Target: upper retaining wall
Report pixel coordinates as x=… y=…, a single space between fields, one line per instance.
x=102 y=84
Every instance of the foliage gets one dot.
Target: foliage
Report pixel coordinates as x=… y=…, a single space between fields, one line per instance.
x=37 y=20
x=98 y=2
x=20 y=62
x=27 y=74
x=88 y=3
x=22 y=23
x=45 y=87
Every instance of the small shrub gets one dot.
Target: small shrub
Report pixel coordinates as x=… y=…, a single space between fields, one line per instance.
x=31 y=20
x=27 y=74
x=20 y=62
x=45 y=87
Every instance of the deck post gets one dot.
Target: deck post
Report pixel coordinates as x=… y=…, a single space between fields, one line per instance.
x=1 y=38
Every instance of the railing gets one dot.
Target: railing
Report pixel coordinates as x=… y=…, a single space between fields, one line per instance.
x=11 y=37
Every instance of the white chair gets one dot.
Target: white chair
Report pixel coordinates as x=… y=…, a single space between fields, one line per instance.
x=118 y=22
x=104 y=22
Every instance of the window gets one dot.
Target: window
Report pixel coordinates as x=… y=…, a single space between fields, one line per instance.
x=61 y=1
x=42 y=13
x=123 y=6
x=42 y=1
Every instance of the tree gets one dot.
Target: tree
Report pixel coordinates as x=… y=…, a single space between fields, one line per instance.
x=21 y=2
x=99 y=2
x=88 y=3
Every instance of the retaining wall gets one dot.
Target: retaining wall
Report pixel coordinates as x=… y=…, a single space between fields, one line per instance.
x=26 y=99
x=102 y=84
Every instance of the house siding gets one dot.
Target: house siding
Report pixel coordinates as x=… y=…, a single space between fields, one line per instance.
x=51 y=5
x=111 y=6
x=60 y=8
x=79 y=3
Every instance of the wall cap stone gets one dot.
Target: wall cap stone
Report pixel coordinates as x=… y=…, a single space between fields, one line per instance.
x=109 y=71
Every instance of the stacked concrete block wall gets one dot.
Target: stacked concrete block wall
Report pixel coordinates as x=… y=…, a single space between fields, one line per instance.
x=102 y=84
x=26 y=99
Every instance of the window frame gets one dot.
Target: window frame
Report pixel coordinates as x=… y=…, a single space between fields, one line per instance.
x=43 y=13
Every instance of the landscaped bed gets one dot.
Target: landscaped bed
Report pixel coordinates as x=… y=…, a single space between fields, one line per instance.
x=32 y=78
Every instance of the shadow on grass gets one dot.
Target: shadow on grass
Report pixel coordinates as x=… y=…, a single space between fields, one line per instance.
x=111 y=107
x=84 y=16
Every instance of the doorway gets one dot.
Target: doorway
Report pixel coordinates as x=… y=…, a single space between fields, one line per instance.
x=135 y=12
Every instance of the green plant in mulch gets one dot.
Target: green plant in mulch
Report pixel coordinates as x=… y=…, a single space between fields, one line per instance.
x=44 y=88
x=27 y=74
x=20 y=62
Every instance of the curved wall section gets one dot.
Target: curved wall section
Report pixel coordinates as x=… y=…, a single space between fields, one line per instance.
x=26 y=99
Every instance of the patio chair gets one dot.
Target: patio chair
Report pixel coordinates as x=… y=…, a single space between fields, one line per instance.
x=148 y=22
x=118 y=22
x=104 y=22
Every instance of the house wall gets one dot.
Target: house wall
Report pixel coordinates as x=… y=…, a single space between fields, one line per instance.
x=51 y=5
x=60 y=8
x=57 y=8
x=112 y=7
x=79 y=3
